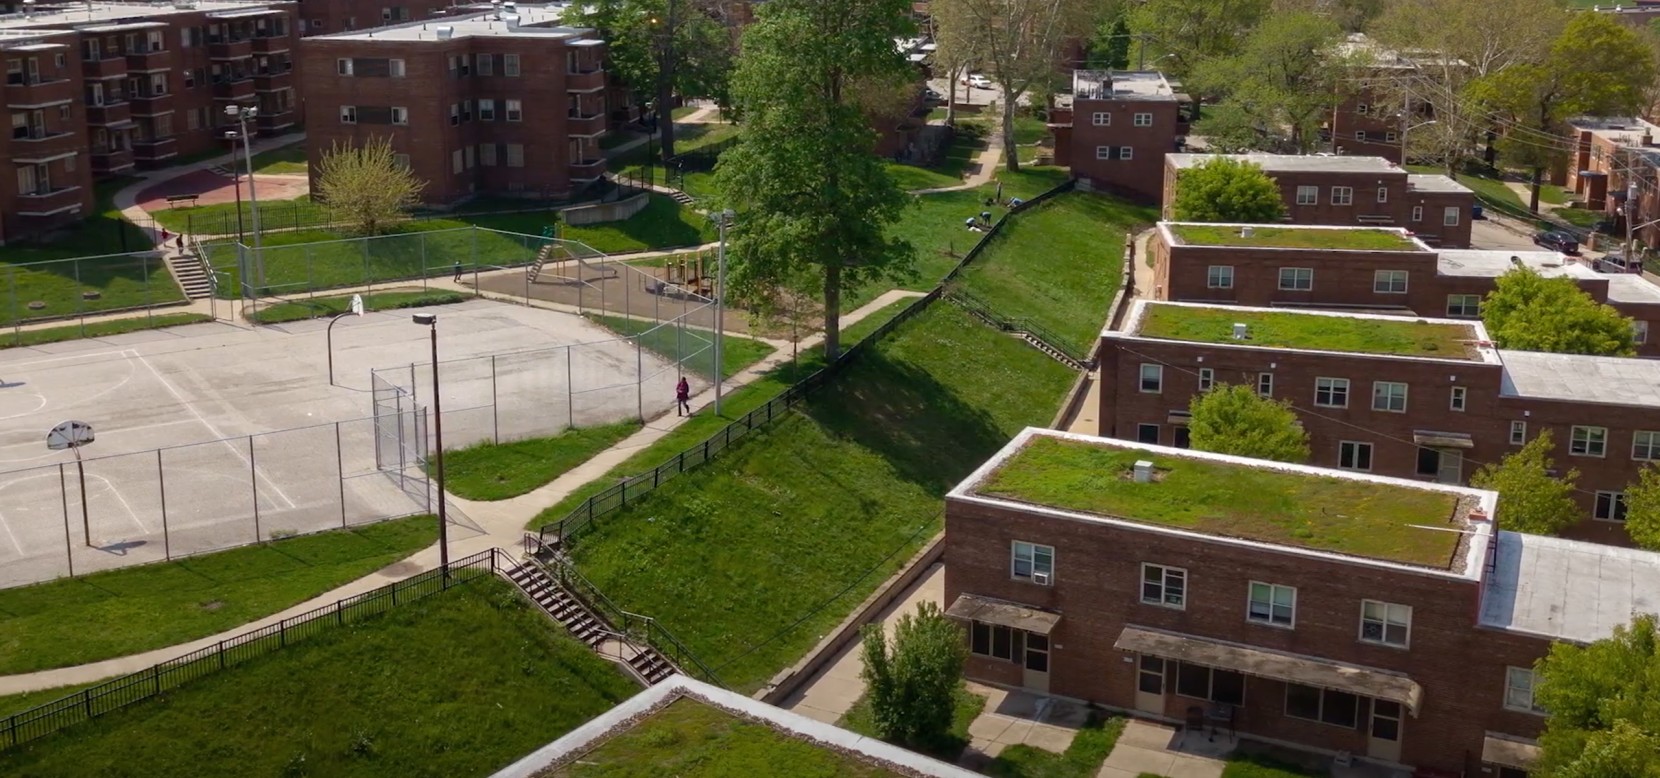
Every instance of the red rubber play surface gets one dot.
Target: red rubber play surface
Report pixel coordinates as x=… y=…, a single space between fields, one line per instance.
x=211 y=188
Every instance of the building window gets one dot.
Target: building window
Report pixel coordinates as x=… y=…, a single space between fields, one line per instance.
x=1383 y=194
x=1610 y=506
x=486 y=110
x=487 y=154
x=455 y=114
x=1518 y=433
x=1385 y=623
x=1032 y=562
x=515 y=155
x=401 y=160
x=1103 y=152
x=1308 y=195
x=1449 y=216
x=1342 y=195
x=1389 y=282
x=456 y=161
x=1362 y=109
x=1339 y=709
x=1464 y=305
x=1391 y=137
x=470 y=154
x=1165 y=586
x=510 y=65
x=1219 y=277
x=1209 y=683
x=400 y=115
x=514 y=110
x=395 y=68
x=1272 y=604
x=348 y=114
x=1143 y=120
x=1207 y=379
x=1639 y=332
x=1101 y=119
x=1265 y=384
x=1152 y=378
x=343 y=67
x=1147 y=433
x=1331 y=392
x=1588 y=441
x=1645 y=445
x=995 y=641
x=484 y=64
x=1354 y=455
x=1360 y=135
x=1126 y=152
x=1389 y=396
x=1417 y=213
x=1519 y=683
x=1296 y=279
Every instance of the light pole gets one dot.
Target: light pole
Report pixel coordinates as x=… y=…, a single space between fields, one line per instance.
x=430 y=321
x=724 y=218
x=1406 y=129
x=242 y=114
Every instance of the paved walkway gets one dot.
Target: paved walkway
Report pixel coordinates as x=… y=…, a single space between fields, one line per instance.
x=985 y=168
x=1160 y=749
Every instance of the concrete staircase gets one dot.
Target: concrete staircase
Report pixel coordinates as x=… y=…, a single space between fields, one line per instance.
x=681 y=197
x=587 y=627
x=193 y=279
x=1054 y=353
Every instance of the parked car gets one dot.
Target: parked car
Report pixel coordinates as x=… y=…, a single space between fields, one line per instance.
x=977 y=81
x=1606 y=227
x=931 y=96
x=1557 y=240
x=1615 y=263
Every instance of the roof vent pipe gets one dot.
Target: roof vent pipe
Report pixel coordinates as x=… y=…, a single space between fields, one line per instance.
x=1143 y=471
x=1246 y=232
x=444 y=32
x=1241 y=331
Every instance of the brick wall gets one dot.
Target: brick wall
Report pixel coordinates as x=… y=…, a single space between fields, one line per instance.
x=1138 y=176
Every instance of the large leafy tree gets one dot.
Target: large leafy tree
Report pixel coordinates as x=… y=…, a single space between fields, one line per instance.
x=366 y=186
x=1642 y=508
x=1603 y=703
x=1288 y=73
x=813 y=201
x=911 y=684
x=1234 y=419
x=1528 y=312
x=1223 y=189
x=1531 y=500
x=1109 y=48
x=663 y=48
x=1185 y=32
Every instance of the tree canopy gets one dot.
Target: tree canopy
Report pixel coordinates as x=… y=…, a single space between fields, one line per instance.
x=1234 y=419
x=1287 y=74
x=912 y=684
x=1603 y=703
x=366 y=185
x=1531 y=501
x=1528 y=312
x=1222 y=189
x=1642 y=508
x=1185 y=32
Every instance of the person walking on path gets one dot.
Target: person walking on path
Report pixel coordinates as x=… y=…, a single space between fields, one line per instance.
x=683 y=398
x=457 y=278
x=165 y=236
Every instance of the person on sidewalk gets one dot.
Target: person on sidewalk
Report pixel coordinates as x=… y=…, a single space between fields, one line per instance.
x=683 y=398
x=165 y=236
x=457 y=278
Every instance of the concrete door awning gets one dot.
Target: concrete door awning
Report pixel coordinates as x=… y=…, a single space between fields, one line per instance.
x=972 y=607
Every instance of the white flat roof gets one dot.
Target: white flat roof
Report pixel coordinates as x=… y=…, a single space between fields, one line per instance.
x=1121 y=84
x=1631 y=288
x=1434 y=182
x=100 y=17
x=1297 y=163
x=1581 y=378
x=535 y=21
x=1485 y=263
x=1567 y=589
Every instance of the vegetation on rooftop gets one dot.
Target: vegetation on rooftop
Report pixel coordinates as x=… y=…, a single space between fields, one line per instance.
x=1528 y=312
x=1229 y=190
x=1405 y=337
x=1350 y=239
x=1326 y=513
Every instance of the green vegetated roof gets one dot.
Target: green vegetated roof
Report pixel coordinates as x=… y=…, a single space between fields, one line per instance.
x=1288 y=329
x=688 y=737
x=1356 y=239
x=1326 y=513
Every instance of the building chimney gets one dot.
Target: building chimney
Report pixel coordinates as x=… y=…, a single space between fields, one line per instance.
x=1143 y=471
x=1241 y=331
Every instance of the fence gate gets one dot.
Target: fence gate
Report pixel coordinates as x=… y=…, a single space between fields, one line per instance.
x=400 y=428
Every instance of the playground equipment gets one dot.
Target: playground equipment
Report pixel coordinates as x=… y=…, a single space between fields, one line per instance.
x=684 y=274
x=559 y=254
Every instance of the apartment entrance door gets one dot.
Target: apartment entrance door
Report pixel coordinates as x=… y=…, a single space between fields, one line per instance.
x=1384 y=736
x=1036 y=676
x=1149 y=685
x=1445 y=464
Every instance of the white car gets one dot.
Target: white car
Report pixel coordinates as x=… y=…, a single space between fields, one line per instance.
x=979 y=81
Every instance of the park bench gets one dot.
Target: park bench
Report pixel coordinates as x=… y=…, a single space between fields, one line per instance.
x=188 y=199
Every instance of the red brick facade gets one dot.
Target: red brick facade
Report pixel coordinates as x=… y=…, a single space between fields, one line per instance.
x=1115 y=134
x=321 y=17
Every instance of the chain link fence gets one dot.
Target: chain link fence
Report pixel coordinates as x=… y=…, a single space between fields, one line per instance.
x=69 y=290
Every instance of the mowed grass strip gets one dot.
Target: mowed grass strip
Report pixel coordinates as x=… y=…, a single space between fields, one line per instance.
x=318 y=307
x=1401 y=336
x=769 y=545
x=692 y=348
x=1081 y=759
x=99 y=329
x=458 y=683
x=73 y=621
x=1318 y=512
x=497 y=471
x=1352 y=239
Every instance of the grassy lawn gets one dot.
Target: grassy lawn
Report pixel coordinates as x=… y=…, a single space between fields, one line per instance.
x=1028 y=132
x=99 y=329
x=1082 y=759
x=1490 y=189
x=1328 y=514
x=1347 y=239
x=17 y=703
x=968 y=142
x=671 y=343
x=689 y=738
x=1058 y=265
x=459 y=683
x=967 y=707
x=1580 y=217
x=288 y=160
x=1309 y=331
x=136 y=609
x=497 y=471
x=220 y=218
x=318 y=307
x=800 y=519
x=1256 y=766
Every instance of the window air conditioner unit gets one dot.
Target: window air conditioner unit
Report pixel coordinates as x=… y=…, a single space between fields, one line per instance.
x=1041 y=579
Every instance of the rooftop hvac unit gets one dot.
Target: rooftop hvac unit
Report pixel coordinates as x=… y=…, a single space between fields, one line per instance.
x=1143 y=471
x=1240 y=331
x=444 y=32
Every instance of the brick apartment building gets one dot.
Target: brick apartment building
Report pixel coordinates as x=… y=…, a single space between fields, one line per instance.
x=1116 y=128
x=96 y=89
x=1358 y=269
x=1361 y=191
x=1433 y=404
x=505 y=103
x=1610 y=156
x=1403 y=632
x=1377 y=118
x=321 y=17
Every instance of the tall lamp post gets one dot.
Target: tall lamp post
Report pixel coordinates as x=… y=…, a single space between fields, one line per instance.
x=1407 y=129
x=242 y=113
x=430 y=321
x=723 y=220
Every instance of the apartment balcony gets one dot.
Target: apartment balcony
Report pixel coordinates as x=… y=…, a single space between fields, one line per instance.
x=149 y=60
x=154 y=150
x=584 y=126
x=39 y=91
x=591 y=81
x=112 y=66
x=116 y=112
x=274 y=78
x=587 y=169
x=109 y=162
x=271 y=44
x=37 y=147
x=150 y=105
x=230 y=48
x=49 y=202
x=234 y=88
x=276 y=123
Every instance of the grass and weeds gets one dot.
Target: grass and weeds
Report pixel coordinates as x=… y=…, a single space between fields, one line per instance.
x=691 y=738
x=800 y=519
x=318 y=307
x=1259 y=766
x=966 y=707
x=1584 y=218
x=1058 y=265
x=1082 y=759
x=692 y=348
x=458 y=683
x=966 y=143
x=99 y=329
x=497 y=471
x=1486 y=188
x=17 y=703
x=289 y=160
x=1407 y=337
x=221 y=218
x=1345 y=238
x=1329 y=514
x=73 y=621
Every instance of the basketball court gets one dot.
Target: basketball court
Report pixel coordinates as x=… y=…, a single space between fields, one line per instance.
x=219 y=433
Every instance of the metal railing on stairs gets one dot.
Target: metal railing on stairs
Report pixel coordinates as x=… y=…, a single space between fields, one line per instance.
x=1046 y=340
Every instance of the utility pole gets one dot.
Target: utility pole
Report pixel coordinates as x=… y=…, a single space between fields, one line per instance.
x=1630 y=217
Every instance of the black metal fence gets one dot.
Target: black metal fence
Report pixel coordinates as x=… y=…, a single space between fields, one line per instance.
x=984 y=311
x=116 y=694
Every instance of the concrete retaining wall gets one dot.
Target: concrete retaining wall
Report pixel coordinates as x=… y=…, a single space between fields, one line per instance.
x=606 y=212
